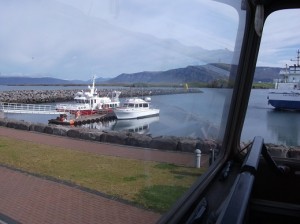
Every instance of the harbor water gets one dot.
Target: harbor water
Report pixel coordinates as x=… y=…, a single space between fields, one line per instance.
x=199 y=115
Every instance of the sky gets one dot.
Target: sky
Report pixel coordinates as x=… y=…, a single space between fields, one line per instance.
x=74 y=39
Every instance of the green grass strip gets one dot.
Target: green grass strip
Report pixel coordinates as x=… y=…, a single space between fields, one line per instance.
x=128 y=179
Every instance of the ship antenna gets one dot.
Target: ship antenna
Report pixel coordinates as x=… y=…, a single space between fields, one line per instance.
x=93 y=85
x=297 y=58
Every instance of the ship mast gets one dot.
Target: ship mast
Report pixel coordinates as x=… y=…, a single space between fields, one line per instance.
x=93 y=91
x=297 y=58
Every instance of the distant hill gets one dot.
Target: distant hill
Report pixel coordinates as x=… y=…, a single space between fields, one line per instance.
x=266 y=74
x=17 y=80
x=203 y=73
x=206 y=73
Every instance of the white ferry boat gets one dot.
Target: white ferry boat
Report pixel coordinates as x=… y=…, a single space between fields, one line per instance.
x=135 y=108
x=89 y=102
x=286 y=94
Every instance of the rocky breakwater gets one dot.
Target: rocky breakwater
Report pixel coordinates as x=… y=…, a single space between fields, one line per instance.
x=51 y=96
x=170 y=143
x=36 y=96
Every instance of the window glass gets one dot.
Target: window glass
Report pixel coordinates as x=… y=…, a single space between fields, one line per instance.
x=181 y=55
x=273 y=110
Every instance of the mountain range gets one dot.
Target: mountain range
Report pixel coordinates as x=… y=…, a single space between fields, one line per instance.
x=204 y=73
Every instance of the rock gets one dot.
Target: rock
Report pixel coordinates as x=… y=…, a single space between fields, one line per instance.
x=48 y=130
x=74 y=133
x=3 y=122
x=164 y=143
x=206 y=145
x=294 y=153
x=277 y=150
x=138 y=140
x=60 y=130
x=38 y=127
x=114 y=137
x=21 y=125
x=187 y=144
x=91 y=135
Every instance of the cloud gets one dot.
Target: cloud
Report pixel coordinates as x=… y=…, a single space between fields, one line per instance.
x=74 y=38
x=280 y=39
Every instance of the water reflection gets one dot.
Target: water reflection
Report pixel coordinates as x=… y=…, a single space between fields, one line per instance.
x=101 y=125
x=141 y=126
x=285 y=125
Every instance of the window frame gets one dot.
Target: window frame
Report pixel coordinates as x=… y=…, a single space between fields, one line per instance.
x=237 y=112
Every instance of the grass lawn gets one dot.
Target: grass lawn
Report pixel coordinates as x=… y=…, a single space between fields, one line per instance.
x=151 y=184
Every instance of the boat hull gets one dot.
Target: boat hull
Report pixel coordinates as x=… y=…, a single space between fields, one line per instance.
x=285 y=101
x=126 y=113
x=285 y=105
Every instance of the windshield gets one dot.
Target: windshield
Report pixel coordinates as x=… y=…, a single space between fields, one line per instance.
x=273 y=109
x=180 y=55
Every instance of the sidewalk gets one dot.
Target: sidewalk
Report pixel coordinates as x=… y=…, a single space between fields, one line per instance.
x=29 y=199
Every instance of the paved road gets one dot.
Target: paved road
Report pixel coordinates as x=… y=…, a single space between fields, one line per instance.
x=29 y=199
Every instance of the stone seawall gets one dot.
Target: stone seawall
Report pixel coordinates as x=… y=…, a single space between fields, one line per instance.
x=51 y=96
x=170 y=143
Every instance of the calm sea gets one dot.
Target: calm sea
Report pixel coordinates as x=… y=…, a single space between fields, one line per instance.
x=199 y=115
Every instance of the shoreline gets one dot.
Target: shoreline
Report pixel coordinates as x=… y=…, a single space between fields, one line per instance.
x=161 y=143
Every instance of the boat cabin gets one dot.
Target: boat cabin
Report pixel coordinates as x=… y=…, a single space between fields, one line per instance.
x=136 y=103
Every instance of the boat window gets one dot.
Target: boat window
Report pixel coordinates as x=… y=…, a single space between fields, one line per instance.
x=273 y=108
x=145 y=105
x=130 y=105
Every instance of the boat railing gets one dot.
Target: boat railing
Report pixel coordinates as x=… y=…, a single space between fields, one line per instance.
x=28 y=108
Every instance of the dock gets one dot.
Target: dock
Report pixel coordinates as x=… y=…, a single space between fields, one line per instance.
x=19 y=108
x=85 y=119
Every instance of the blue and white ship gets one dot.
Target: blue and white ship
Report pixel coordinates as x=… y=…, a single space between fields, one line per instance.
x=286 y=94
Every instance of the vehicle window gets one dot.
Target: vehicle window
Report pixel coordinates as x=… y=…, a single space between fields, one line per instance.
x=273 y=110
x=182 y=55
